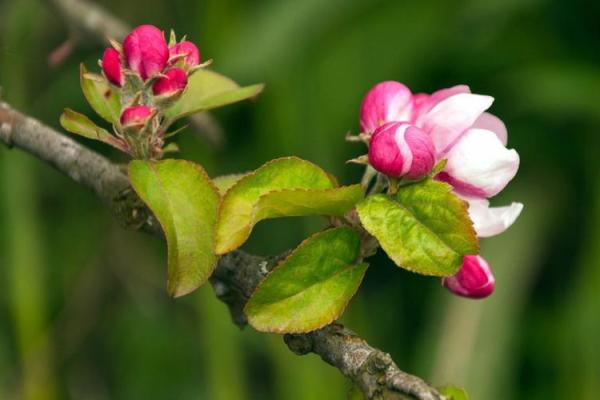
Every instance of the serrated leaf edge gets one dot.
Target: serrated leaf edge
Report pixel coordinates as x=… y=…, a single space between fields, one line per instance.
x=203 y=172
x=355 y=264
x=252 y=173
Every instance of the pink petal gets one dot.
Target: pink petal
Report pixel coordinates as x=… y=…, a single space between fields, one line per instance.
x=425 y=102
x=452 y=117
x=479 y=164
x=388 y=101
x=492 y=123
x=490 y=221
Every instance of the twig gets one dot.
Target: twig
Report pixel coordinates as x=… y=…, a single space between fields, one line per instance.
x=237 y=273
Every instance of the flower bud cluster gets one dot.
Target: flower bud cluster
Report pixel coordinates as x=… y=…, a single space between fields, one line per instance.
x=149 y=75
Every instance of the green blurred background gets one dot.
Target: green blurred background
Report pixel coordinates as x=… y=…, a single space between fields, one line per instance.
x=83 y=310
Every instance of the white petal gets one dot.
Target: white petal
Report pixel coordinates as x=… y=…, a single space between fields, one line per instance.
x=490 y=221
x=492 y=123
x=453 y=116
x=479 y=164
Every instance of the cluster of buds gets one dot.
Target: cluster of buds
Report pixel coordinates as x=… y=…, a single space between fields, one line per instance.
x=149 y=75
x=408 y=134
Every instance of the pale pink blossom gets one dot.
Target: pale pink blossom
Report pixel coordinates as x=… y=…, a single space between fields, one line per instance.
x=146 y=51
x=478 y=163
x=398 y=149
x=474 y=280
x=472 y=141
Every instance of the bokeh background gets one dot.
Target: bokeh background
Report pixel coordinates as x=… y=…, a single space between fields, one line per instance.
x=83 y=310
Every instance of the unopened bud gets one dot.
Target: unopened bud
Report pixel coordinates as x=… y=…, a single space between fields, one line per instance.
x=398 y=149
x=171 y=84
x=136 y=116
x=474 y=279
x=189 y=50
x=111 y=65
x=146 y=51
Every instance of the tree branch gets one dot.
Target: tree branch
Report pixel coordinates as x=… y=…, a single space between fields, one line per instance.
x=237 y=273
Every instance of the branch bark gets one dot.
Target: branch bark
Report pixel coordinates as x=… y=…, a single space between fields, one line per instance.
x=237 y=273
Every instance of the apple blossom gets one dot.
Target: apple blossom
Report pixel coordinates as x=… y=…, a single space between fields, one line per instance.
x=112 y=68
x=398 y=149
x=146 y=51
x=474 y=280
x=471 y=140
x=473 y=143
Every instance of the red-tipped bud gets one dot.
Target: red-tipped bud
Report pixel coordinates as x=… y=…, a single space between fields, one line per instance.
x=192 y=55
x=173 y=82
x=474 y=279
x=398 y=149
x=146 y=51
x=111 y=65
x=136 y=116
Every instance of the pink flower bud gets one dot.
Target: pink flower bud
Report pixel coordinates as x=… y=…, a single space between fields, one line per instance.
x=398 y=149
x=192 y=55
x=474 y=280
x=146 y=51
x=135 y=116
x=174 y=81
x=386 y=102
x=111 y=65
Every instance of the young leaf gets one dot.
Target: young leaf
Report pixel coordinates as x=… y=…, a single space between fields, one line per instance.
x=311 y=287
x=226 y=182
x=185 y=202
x=100 y=95
x=207 y=90
x=79 y=124
x=284 y=187
x=299 y=202
x=425 y=228
x=454 y=393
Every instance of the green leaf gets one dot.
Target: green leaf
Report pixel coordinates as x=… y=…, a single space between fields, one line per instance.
x=454 y=393
x=207 y=90
x=226 y=182
x=285 y=187
x=103 y=98
x=299 y=202
x=311 y=287
x=425 y=228
x=185 y=202
x=79 y=124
